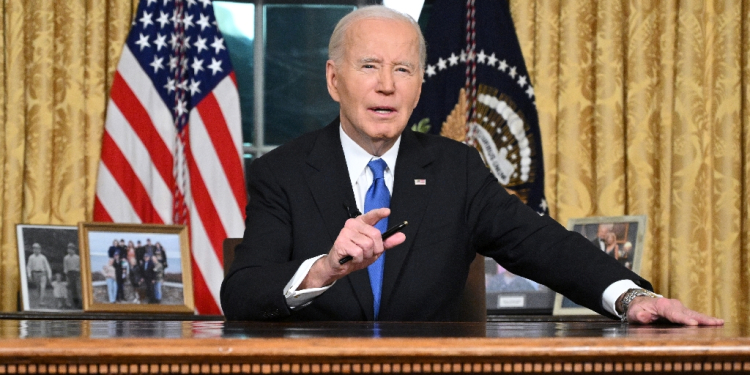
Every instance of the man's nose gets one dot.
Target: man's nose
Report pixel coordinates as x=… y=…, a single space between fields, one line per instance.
x=386 y=82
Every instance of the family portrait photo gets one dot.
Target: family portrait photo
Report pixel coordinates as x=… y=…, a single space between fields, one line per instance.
x=621 y=237
x=50 y=267
x=133 y=267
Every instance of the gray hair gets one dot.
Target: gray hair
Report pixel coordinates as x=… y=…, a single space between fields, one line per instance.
x=336 y=44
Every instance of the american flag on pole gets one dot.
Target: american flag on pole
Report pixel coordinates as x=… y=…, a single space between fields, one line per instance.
x=172 y=146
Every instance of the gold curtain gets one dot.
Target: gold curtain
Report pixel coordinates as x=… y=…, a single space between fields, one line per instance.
x=644 y=109
x=57 y=62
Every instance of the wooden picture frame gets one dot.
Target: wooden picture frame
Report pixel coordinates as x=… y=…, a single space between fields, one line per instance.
x=141 y=268
x=49 y=282
x=628 y=234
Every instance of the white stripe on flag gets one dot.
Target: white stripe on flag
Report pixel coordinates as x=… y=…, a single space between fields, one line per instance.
x=140 y=161
x=229 y=101
x=205 y=257
x=215 y=179
x=113 y=198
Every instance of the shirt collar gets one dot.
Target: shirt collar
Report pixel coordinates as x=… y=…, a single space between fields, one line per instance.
x=357 y=158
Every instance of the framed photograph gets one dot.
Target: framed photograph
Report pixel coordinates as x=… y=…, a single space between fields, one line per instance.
x=136 y=268
x=50 y=267
x=621 y=237
x=508 y=293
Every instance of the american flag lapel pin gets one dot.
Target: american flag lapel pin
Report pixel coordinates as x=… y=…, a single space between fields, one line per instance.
x=420 y=181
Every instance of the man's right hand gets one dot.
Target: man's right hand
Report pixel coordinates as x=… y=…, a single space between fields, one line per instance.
x=358 y=239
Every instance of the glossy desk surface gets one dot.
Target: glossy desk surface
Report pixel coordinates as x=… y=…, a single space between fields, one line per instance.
x=522 y=345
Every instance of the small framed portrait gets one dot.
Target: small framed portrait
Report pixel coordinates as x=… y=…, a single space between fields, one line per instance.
x=621 y=237
x=508 y=293
x=136 y=268
x=50 y=267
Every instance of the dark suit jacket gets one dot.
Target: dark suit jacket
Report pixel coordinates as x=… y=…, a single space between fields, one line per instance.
x=298 y=195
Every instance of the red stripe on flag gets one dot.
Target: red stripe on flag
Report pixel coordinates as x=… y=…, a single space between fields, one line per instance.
x=205 y=207
x=140 y=121
x=129 y=182
x=218 y=131
x=233 y=77
x=205 y=304
x=100 y=213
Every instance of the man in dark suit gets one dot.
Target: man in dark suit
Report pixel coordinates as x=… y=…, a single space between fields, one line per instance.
x=304 y=197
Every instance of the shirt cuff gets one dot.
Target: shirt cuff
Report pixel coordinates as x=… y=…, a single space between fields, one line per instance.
x=613 y=292
x=301 y=298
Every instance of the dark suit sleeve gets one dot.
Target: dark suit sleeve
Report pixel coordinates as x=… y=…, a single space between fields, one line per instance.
x=537 y=247
x=253 y=288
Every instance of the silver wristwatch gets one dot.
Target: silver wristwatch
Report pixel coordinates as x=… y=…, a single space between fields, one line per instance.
x=630 y=295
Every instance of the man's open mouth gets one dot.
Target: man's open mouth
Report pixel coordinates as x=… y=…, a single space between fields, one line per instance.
x=383 y=110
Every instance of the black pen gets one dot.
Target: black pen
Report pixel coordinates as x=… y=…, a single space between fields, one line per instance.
x=391 y=231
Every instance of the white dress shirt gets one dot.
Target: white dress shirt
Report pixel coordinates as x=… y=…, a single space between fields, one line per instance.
x=361 y=179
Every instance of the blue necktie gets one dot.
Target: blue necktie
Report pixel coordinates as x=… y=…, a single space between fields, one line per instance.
x=377 y=196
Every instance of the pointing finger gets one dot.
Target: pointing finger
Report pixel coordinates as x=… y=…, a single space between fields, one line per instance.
x=372 y=217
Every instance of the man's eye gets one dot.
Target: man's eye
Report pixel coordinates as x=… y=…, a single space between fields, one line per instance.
x=368 y=66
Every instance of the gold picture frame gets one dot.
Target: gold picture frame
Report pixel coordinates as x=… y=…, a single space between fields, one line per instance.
x=142 y=268
x=629 y=236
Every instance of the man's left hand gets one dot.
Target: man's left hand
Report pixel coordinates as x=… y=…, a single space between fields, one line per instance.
x=645 y=310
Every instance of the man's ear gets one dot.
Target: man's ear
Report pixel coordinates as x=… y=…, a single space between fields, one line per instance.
x=332 y=80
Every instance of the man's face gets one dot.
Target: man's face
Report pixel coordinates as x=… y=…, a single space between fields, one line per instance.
x=377 y=82
x=36 y=248
x=602 y=231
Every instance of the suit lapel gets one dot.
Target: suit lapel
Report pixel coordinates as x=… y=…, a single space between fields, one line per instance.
x=328 y=179
x=411 y=193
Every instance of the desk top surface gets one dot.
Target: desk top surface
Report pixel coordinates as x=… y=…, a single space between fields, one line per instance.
x=549 y=341
x=529 y=328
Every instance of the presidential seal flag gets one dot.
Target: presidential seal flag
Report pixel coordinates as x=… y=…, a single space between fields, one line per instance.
x=477 y=90
x=172 y=146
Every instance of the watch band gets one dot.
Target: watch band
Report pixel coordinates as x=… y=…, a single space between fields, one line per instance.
x=630 y=295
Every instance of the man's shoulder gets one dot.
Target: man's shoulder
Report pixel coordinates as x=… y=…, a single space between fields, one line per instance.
x=300 y=145
x=298 y=149
x=443 y=148
x=440 y=142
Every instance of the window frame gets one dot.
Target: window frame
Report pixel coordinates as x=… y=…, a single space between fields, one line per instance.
x=259 y=147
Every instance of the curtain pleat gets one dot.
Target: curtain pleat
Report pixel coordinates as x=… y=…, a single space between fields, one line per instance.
x=97 y=74
x=41 y=113
x=608 y=122
x=575 y=105
x=546 y=21
x=67 y=193
x=14 y=140
x=659 y=228
x=744 y=298
x=642 y=110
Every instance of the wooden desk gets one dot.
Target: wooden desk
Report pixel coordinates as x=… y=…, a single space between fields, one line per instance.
x=214 y=347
